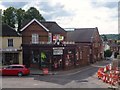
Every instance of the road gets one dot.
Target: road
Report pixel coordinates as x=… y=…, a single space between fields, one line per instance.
x=82 y=78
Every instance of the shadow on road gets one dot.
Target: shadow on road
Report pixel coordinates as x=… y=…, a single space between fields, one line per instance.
x=76 y=75
x=64 y=79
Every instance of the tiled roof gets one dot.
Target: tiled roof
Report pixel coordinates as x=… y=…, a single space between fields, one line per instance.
x=8 y=31
x=50 y=25
x=81 y=34
x=53 y=27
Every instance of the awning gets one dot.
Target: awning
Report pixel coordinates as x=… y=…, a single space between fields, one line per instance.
x=10 y=51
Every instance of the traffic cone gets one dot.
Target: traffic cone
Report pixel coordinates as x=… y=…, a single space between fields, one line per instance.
x=105 y=69
x=107 y=78
x=110 y=66
x=117 y=72
x=100 y=73
x=110 y=78
x=104 y=77
x=115 y=79
x=113 y=82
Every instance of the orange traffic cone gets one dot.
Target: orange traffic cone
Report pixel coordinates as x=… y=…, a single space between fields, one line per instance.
x=110 y=78
x=104 y=77
x=107 y=78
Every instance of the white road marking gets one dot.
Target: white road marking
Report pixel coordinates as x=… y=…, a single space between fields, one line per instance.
x=35 y=84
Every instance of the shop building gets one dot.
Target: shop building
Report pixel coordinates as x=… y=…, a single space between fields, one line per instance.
x=44 y=45
x=11 y=50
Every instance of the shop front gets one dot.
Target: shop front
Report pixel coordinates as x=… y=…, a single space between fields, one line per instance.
x=40 y=58
x=11 y=56
x=54 y=57
x=57 y=60
x=37 y=55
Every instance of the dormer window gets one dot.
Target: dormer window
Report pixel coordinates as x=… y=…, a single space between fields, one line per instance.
x=35 y=38
x=10 y=42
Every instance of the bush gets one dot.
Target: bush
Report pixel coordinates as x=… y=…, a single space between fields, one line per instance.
x=107 y=53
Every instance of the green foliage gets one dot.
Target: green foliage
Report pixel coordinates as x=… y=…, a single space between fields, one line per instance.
x=118 y=36
x=107 y=53
x=9 y=16
x=20 y=16
x=111 y=36
x=32 y=13
x=104 y=37
x=12 y=16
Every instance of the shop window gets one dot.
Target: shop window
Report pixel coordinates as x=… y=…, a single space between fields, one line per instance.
x=11 y=58
x=10 y=42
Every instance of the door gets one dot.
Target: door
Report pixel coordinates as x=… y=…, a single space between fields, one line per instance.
x=7 y=71
x=35 y=58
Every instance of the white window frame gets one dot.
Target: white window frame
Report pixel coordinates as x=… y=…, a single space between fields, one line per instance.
x=35 y=38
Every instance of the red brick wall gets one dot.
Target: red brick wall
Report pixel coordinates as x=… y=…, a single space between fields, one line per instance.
x=34 y=28
x=96 y=47
x=84 y=54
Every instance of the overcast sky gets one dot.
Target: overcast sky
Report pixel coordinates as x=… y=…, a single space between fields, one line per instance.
x=74 y=13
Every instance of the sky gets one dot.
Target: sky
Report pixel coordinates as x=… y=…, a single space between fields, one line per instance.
x=74 y=13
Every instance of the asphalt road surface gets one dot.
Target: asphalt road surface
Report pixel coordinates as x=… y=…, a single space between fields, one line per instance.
x=82 y=78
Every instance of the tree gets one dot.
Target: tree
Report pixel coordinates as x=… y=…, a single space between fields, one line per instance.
x=104 y=37
x=32 y=13
x=9 y=16
x=107 y=53
x=13 y=16
x=118 y=36
x=20 y=16
x=118 y=39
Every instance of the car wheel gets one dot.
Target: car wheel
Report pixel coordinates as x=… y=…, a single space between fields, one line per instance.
x=20 y=74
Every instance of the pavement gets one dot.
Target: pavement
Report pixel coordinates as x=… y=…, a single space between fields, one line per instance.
x=69 y=72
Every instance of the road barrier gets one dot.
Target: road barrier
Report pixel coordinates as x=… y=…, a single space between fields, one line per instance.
x=109 y=75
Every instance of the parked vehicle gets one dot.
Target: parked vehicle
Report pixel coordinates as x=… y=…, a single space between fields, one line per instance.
x=19 y=70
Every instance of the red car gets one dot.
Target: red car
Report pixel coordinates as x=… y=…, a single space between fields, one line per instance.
x=19 y=70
